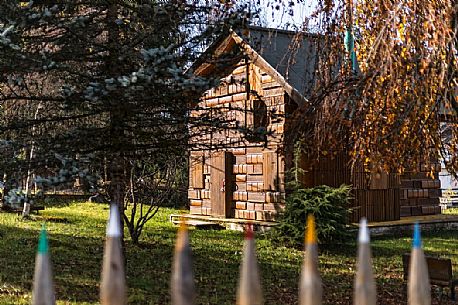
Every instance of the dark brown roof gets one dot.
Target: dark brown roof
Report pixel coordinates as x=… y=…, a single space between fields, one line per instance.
x=287 y=56
x=292 y=54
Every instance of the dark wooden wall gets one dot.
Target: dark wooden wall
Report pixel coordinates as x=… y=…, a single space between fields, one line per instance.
x=250 y=182
x=378 y=196
x=420 y=191
x=255 y=179
x=375 y=195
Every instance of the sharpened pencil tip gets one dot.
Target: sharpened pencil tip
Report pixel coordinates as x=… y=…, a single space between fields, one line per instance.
x=114 y=223
x=43 y=241
x=416 y=236
x=249 y=233
x=311 y=230
x=182 y=236
x=183 y=225
x=363 y=236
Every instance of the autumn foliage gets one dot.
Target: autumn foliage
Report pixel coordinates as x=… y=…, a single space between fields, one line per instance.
x=388 y=110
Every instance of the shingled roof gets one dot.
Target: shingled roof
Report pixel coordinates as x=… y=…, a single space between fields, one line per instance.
x=292 y=54
x=288 y=56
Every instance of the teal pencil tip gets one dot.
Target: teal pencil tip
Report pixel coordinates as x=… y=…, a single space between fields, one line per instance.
x=416 y=236
x=43 y=241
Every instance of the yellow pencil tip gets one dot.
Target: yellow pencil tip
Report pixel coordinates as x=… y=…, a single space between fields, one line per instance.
x=310 y=237
x=183 y=226
x=181 y=236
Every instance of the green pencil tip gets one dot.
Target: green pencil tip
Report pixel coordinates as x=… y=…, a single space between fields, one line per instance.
x=43 y=241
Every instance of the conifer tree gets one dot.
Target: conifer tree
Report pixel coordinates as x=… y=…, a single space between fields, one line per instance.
x=104 y=86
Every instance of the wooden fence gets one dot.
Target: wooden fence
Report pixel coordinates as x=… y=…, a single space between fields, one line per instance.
x=113 y=285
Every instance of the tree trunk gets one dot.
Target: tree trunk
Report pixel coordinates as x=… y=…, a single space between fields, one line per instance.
x=26 y=209
x=4 y=190
x=116 y=166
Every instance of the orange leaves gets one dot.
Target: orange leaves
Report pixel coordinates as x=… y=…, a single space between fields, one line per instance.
x=390 y=114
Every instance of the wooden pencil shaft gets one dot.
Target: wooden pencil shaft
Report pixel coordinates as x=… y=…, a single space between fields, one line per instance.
x=182 y=285
x=113 y=285
x=43 y=288
x=310 y=286
x=365 y=288
x=418 y=288
x=249 y=290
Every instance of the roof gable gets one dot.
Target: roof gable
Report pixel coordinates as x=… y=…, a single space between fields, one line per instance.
x=286 y=65
x=293 y=55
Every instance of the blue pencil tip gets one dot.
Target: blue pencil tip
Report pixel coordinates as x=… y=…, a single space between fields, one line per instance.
x=416 y=236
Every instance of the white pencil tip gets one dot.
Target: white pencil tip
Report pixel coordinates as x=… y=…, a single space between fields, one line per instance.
x=363 y=236
x=114 y=223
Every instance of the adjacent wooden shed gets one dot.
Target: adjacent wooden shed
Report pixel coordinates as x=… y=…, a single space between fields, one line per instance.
x=240 y=176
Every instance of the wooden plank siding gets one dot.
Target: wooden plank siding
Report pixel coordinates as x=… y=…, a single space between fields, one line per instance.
x=270 y=170
x=197 y=170
x=254 y=168
x=375 y=194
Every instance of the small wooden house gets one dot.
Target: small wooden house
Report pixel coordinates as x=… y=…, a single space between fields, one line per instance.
x=235 y=176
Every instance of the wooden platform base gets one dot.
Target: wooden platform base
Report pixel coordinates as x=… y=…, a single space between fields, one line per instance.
x=430 y=222
x=405 y=224
x=200 y=221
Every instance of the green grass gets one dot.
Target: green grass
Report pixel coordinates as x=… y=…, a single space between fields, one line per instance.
x=77 y=233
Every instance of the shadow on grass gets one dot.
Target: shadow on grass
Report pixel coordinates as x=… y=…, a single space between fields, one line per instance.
x=217 y=254
x=77 y=261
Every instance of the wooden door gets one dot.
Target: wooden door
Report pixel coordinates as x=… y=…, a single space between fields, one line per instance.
x=196 y=172
x=221 y=186
x=270 y=170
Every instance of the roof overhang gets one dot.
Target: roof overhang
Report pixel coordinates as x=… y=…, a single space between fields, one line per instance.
x=225 y=45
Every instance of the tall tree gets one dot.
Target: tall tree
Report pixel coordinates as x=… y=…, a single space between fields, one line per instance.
x=111 y=78
x=385 y=83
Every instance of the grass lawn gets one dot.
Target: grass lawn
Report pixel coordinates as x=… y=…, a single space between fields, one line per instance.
x=76 y=243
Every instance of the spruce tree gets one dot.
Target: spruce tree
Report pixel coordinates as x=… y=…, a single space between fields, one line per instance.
x=104 y=86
